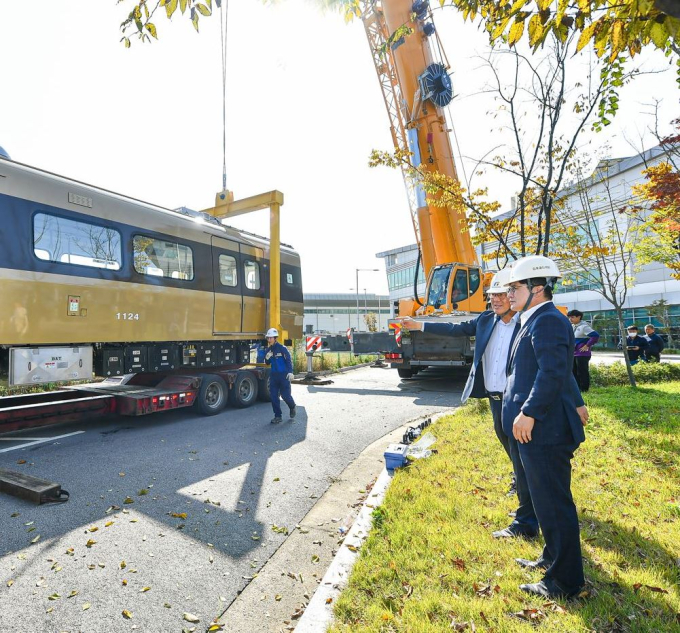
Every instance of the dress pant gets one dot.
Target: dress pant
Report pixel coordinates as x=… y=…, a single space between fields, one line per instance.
x=496 y=404
x=582 y=372
x=547 y=472
x=525 y=518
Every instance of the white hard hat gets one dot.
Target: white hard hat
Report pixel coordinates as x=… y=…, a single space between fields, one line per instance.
x=534 y=266
x=499 y=283
x=272 y=332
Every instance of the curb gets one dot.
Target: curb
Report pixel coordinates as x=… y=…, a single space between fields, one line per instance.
x=318 y=614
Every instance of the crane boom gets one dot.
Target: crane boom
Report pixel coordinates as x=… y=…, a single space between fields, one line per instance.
x=415 y=84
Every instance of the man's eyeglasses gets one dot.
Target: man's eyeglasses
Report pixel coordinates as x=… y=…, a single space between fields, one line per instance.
x=514 y=289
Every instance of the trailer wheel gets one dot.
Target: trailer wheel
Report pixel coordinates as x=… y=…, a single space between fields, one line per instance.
x=405 y=372
x=263 y=389
x=212 y=395
x=243 y=392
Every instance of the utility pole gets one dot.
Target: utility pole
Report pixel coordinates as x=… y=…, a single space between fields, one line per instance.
x=358 y=270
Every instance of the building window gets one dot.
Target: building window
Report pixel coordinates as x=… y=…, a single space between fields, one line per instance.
x=57 y=239
x=228 y=271
x=161 y=258
x=252 y=270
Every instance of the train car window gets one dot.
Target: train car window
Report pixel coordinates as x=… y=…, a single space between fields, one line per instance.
x=57 y=239
x=228 y=271
x=162 y=259
x=252 y=270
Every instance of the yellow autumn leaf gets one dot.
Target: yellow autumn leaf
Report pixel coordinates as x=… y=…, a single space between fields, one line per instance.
x=123 y=564
x=617 y=39
x=36 y=539
x=586 y=36
x=215 y=627
x=128 y=500
x=203 y=9
x=659 y=35
x=94 y=528
x=170 y=7
x=543 y=4
x=86 y=606
x=10 y=583
x=152 y=29
x=124 y=582
x=516 y=31
x=190 y=617
x=535 y=29
x=73 y=594
x=144 y=589
x=127 y=614
x=90 y=543
x=108 y=524
x=179 y=515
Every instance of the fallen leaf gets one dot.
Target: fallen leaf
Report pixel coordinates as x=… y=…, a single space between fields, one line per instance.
x=36 y=539
x=278 y=597
x=315 y=558
x=143 y=492
x=127 y=614
x=14 y=515
x=179 y=515
x=86 y=606
x=167 y=606
x=73 y=594
x=90 y=543
x=128 y=500
x=144 y=589
x=108 y=524
x=329 y=600
x=21 y=461
x=216 y=627
x=123 y=564
x=124 y=582
x=10 y=583
x=121 y=474
x=54 y=596
x=190 y=617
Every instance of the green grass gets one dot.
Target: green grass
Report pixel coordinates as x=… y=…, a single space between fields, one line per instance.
x=430 y=563
x=645 y=373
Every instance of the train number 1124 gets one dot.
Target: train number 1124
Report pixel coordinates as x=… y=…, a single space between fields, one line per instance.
x=127 y=316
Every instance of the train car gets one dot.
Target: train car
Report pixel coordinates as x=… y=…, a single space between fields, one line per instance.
x=93 y=281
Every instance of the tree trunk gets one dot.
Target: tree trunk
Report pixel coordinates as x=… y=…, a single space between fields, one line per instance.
x=624 y=348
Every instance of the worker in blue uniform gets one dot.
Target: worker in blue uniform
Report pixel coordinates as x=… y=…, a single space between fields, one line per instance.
x=278 y=357
x=540 y=418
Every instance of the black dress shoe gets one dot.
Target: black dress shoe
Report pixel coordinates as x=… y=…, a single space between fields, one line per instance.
x=547 y=589
x=533 y=564
x=513 y=532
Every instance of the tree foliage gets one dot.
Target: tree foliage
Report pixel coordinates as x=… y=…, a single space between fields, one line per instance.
x=138 y=22
x=659 y=198
x=611 y=28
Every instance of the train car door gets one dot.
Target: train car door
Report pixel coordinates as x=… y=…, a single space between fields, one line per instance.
x=255 y=276
x=228 y=286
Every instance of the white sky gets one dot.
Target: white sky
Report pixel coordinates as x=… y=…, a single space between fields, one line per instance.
x=304 y=111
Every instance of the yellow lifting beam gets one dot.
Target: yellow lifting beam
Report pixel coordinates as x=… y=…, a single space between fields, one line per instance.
x=226 y=207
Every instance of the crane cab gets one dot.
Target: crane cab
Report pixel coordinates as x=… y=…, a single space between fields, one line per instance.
x=454 y=287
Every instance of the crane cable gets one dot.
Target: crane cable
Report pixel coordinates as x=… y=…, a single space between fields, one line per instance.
x=224 y=16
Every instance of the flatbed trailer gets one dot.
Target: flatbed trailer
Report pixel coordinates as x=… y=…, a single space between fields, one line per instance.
x=136 y=395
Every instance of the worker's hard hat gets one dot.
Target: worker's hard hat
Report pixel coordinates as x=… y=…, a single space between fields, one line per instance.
x=272 y=332
x=499 y=283
x=535 y=266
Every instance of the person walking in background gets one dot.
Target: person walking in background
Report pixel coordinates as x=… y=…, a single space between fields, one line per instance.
x=655 y=346
x=539 y=413
x=280 y=376
x=584 y=338
x=637 y=345
x=494 y=331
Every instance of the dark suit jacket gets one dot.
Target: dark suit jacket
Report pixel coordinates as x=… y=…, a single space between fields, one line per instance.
x=480 y=327
x=540 y=379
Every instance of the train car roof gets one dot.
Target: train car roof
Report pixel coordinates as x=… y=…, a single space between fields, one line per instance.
x=181 y=213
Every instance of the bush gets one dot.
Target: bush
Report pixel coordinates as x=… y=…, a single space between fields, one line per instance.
x=616 y=374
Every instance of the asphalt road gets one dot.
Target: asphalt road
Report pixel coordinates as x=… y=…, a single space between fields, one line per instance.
x=175 y=514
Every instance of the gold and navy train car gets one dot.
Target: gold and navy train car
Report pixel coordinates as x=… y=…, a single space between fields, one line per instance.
x=94 y=281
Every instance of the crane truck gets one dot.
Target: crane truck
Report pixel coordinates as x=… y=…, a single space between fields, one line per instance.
x=413 y=73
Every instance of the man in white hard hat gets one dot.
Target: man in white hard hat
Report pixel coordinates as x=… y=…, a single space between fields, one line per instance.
x=493 y=331
x=540 y=416
x=280 y=376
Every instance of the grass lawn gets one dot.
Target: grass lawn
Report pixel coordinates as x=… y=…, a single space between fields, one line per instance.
x=430 y=563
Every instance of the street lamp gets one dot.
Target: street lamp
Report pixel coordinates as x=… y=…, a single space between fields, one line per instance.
x=358 y=270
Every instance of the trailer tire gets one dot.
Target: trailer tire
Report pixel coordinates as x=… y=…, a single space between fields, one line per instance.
x=405 y=372
x=263 y=389
x=212 y=395
x=243 y=392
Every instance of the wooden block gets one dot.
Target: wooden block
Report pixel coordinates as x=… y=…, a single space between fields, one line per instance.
x=28 y=487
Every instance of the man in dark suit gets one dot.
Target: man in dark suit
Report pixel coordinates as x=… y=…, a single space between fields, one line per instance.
x=493 y=331
x=544 y=427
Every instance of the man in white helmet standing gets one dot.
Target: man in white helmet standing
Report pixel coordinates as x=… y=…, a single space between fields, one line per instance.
x=494 y=331
x=280 y=376
x=544 y=427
